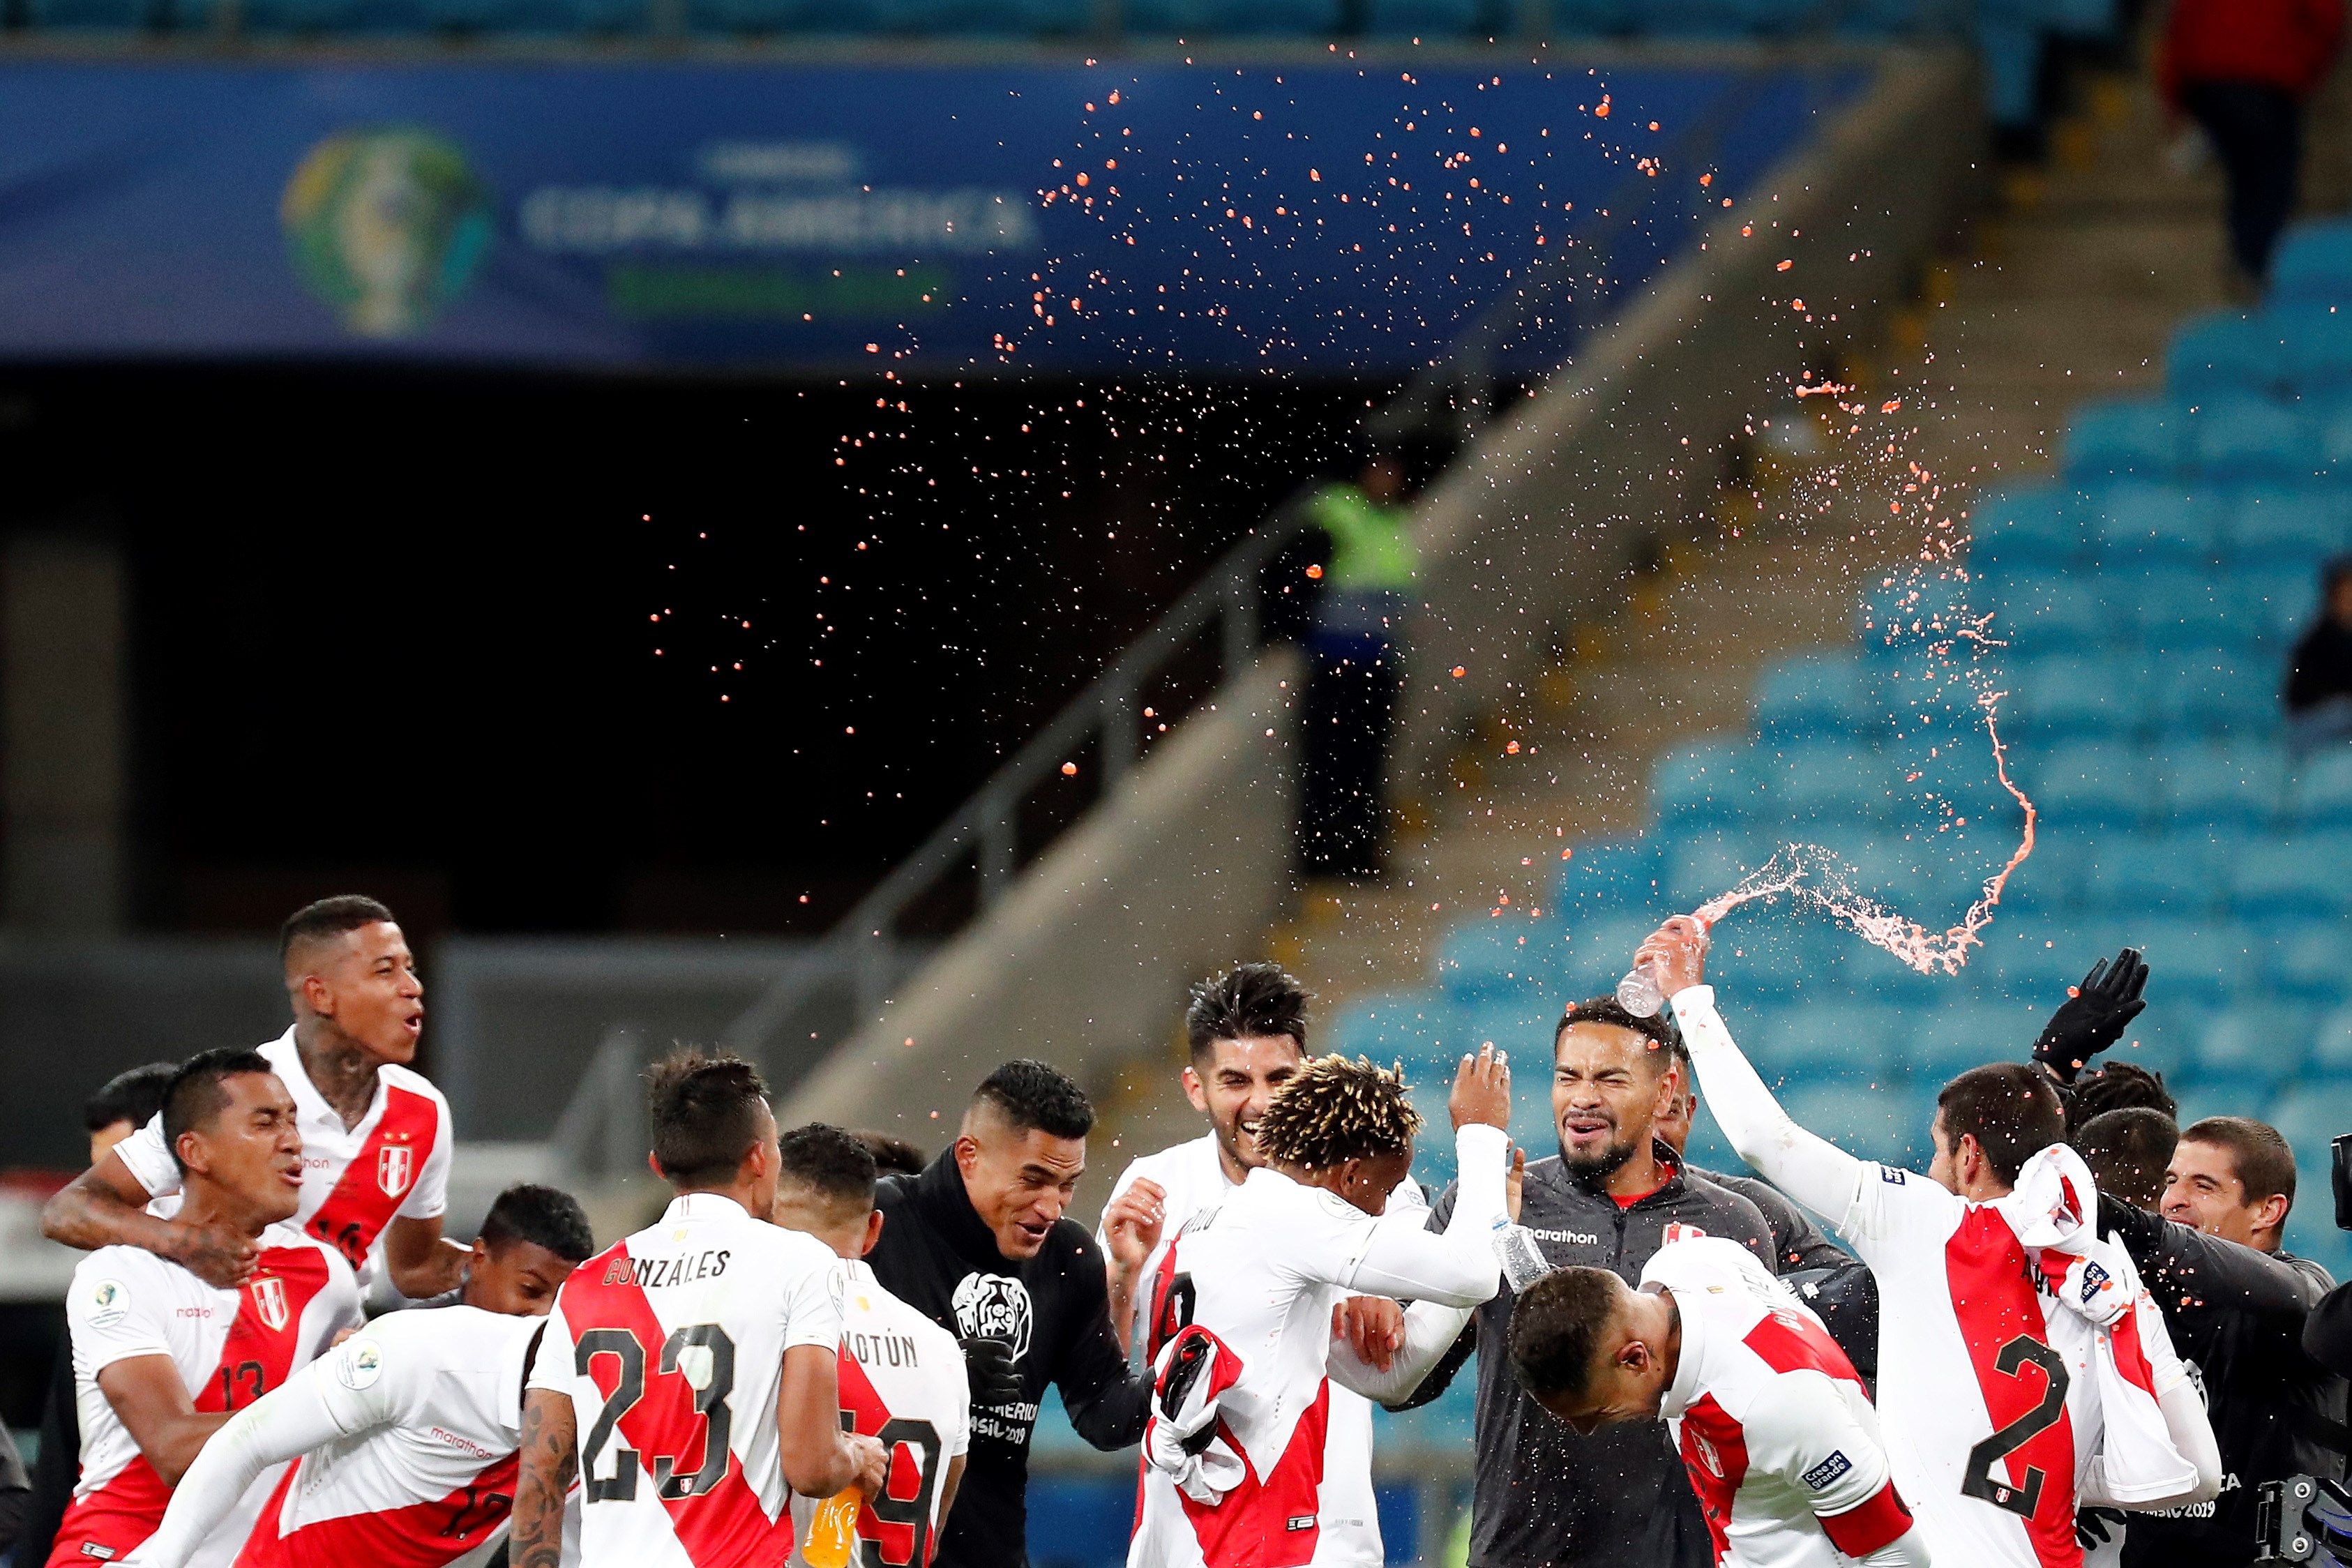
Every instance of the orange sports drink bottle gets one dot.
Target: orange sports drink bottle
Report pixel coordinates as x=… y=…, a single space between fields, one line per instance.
x=832 y=1534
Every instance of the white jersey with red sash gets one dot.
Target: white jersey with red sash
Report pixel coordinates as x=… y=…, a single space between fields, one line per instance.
x=670 y=1347
x=394 y=1163
x=1775 y=1426
x=902 y=1381
x=231 y=1347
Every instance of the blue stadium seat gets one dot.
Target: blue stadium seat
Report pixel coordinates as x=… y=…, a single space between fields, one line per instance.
x=2290 y=528
x=2141 y=437
x=1846 y=1038
x=1412 y=1024
x=2154 y=522
x=2215 y=692
x=1708 y=782
x=1899 y=615
x=109 y=14
x=1598 y=949
x=2226 y=350
x=1510 y=955
x=2204 y=960
x=1823 y=781
x=2239 y=438
x=2174 y=876
x=2241 y=784
x=2331 y=1043
x=2078 y=696
x=2309 y=1118
x=2263 y=1047
x=2323 y=795
x=2319 y=343
x=1860 y=1118
x=2062 y=612
x=2033 y=523
x=2274 y=881
x=2027 y=964
x=1608 y=872
x=2314 y=262
x=2189 y=610
x=1703 y=866
x=2092 y=784
x=304 y=17
x=2309 y=962
x=1960 y=1034
x=2280 y=602
x=1817 y=695
x=1435 y=19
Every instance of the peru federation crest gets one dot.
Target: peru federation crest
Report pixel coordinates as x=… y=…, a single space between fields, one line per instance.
x=395 y=1167
x=269 y=1301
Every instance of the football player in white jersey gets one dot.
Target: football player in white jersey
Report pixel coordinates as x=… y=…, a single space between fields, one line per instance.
x=903 y=1380
x=1247 y=1031
x=376 y=1137
x=1242 y=1305
x=2019 y=1373
x=402 y=1438
x=1772 y=1422
x=688 y=1375
x=161 y=1358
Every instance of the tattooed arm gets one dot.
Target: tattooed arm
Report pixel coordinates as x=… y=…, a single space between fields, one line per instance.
x=550 y=1456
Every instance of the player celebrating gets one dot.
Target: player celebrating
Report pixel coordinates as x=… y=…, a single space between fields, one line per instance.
x=1247 y=1030
x=1773 y=1423
x=1241 y=1320
x=688 y=1374
x=2021 y=1369
x=403 y=1439
x=161 y=1357
x=902 y=1376
x=375 y=1135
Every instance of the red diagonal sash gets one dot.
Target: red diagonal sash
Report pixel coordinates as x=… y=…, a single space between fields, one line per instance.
x=725 y=1527
x=426 y=1534
x=379 y=1176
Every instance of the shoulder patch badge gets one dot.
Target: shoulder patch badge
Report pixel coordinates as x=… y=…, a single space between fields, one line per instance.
x=1829 y=1470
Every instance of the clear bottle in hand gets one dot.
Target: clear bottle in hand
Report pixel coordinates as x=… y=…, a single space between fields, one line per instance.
x=1639 y=993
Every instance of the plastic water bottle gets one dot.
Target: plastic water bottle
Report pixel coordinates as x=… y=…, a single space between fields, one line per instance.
x=1522 y=1259
x=1638 y=993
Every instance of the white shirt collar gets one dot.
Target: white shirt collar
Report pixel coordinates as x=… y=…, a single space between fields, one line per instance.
x=703 y=1206
x=1685 y=1390
x=309 y=1103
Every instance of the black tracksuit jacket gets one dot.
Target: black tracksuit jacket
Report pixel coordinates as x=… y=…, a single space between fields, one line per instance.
x=1055 y=1307
x=1544 y=1497
x=2236 y=1317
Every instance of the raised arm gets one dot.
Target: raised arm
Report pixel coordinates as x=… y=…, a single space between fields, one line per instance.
x=106 y=1205
x=1455 y=1266
x=2186 y=1268
x=312 y=1409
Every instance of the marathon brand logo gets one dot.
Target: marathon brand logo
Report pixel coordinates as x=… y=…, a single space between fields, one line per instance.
x=1577 y=1237
x=1829 y=1470
x=654 y=1273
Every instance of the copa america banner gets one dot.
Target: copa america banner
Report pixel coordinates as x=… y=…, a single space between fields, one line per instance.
x=1338 y=215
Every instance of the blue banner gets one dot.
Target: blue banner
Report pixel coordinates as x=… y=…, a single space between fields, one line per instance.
x=1341 y=216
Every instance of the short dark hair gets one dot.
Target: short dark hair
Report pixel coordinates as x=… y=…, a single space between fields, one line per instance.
x=134 y=1096
x=1659 y=1030
x=544 y=1216
x=2011 y=1111
x=1033 y=1095
x=834 y=1164
x=1336 y=1110
x=2127 y=1150
x=2119 y=1085
x=2261 y=1156
x=893 y=1156
x=1247 y=1001
x=194 y=1096
x=329 y=917
x=1555 y=1327
x=705 y=1114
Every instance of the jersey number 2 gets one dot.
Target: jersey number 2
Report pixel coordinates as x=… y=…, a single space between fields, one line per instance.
x=2023 y=1499
x=709 y=1402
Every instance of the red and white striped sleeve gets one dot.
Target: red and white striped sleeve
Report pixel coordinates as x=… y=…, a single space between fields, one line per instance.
x=1806 y=1434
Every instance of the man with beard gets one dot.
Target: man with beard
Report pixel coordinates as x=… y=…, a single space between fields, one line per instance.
x=1545 y=1497
x=1247 y=1031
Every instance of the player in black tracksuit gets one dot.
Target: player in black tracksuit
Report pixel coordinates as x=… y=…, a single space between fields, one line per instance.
x=1051 y=1310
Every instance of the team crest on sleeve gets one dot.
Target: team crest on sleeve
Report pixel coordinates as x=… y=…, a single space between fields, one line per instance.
x=996 y=1307
x=1829 y=1470
x=1890 y=1175
x=395 y=1168
x=269 y=1301
x=360 y=1365
x=110 y=1303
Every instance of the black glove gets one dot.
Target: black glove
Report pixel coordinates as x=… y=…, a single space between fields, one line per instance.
x=2092 y=1525
x=989 y=1364
x=2094 y=1016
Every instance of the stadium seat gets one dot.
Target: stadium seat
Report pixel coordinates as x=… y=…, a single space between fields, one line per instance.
x=109 y=14
x=1435 y=19
x=2032 y=523
x=2274 y=881
x=2029 y=966
x=2096 y=786
x=2201 y=1096
x=1412 y=1026
x=1710 y=782
x=1511 y=955
x=2183 y=609
x=2308 y=964
x=2103 y=697
x=2314 y=262
x=2174 y=876
x=2323 y=792
x=2240 y=437
x=2331 y=1044
x=2309 y=1118
x=1822 y=694
x=1902 y=614
x=1599 y=950
x=2143 y=522
x=1960 y=1034
x=1604 y=873
x=2140 y=437
x=2228 y=350
x=2319 y=343
x=2044 y=613
x=1824 y=781
x=1846 y=1038
x=2214 y=691
x=2280 y=602
x=2189 y=958
x=1700 y=868
x=2295 y=529
x=2263 y=1047
x=1862 y=1119
x=2228 y=785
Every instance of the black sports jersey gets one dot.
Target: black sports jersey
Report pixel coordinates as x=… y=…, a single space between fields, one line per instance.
x=936 y=1256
